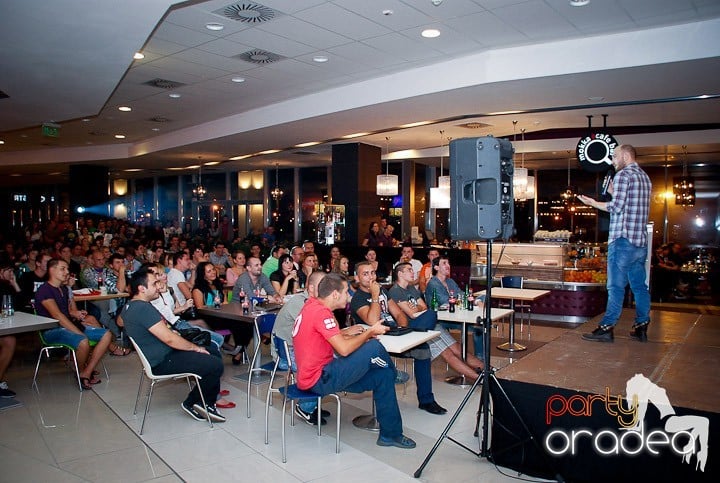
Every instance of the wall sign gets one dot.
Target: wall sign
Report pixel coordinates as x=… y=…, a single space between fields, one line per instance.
x=595 y=151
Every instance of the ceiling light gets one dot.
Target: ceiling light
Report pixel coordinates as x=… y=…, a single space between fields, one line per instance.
x=86 y=120
x=119 y=136
x=306 y=145
x=125 y=108
x=156 y=129
x=430 y=33
x=320 y=59
x=596 y=98
x=174 y=95
x=355 y=135
x=387 y=12
x=415 y=124
x=214 y=26
x=238 y=80
x=269 y=151
x=2 y=142
x=239 y=158
x=212 y=163
x=138 y=56
x=132 y=170
x=579 y=3
x=387 y=184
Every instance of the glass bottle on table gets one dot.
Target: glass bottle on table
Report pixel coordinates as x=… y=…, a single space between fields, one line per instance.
x=469 y=299
x=451 y=302
x=434 y=301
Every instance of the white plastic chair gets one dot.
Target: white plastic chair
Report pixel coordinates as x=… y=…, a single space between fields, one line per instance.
x=154 y=379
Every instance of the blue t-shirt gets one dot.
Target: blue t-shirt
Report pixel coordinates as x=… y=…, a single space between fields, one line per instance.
x=441 y=292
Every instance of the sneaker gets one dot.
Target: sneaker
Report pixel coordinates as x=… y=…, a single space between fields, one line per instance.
x=5 y=392
x=212 y=411
x=309 y=418
x=399 y=442
x=192 y=412
x=601 y=334
x=639 y=332
x=401 y=377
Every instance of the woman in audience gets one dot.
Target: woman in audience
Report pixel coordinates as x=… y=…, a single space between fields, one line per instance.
x=306 y=268
x=237 y=269
x=373 y=237
x=285 y=277
x=209 y=288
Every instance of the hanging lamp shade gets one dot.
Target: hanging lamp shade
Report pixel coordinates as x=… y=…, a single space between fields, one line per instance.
x=444 y=182
x=440 y=197
x=520 y=180
x=387 y=185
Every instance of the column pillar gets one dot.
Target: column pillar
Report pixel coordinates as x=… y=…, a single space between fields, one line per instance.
x=408 y=199
x=355 y=168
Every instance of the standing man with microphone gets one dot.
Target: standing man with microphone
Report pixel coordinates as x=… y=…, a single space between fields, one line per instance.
x=627 y=244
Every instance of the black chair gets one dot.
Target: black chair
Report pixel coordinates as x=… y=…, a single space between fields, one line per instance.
x=516 y=281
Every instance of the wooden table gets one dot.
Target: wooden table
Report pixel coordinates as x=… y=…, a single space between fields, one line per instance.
x=98 y=297
x=514 y=294
x=23 y=322
x=466 y=317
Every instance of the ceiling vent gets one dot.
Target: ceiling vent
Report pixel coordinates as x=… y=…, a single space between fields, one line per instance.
x=305 y=153
x=257 y=56
x=164 y=83
x=97 y=133
x=159 y=119
x=248 y=12
x=3 y=95
x=474 y=125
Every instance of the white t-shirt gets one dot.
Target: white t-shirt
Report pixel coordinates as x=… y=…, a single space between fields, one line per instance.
x=416 y=266
x=174 y=277
x=165 y=304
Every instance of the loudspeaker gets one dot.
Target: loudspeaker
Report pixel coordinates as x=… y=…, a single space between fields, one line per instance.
x=481 y=171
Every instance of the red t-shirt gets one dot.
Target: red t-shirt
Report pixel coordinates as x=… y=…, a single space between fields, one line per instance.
x=313 y=327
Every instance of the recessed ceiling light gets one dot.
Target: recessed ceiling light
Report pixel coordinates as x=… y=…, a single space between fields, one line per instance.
x=269 y=151
x=125 y=108
x=132 y=170
x=238 y=80
x=355 y=135
x=212 y=163
x=156 y=129
x=23 y=135
x=596 y=98
x=119 y=136
x=15 y=175
x=174 y=95
x=320 y=59
x=579 y=3
x=2 y=142
x=55 y=173
x=138 y=56
x=86 y=120
x=415 y=124
x=214 y=26
x=238 y=158
x=430 y=33
x=307 y=145
x=387 y=12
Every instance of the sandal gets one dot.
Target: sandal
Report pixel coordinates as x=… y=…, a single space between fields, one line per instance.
x=88 y=383
x=123 y=351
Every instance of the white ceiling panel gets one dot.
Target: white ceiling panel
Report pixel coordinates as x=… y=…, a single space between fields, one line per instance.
x=401 y=46
x=196 y=17
x=639 y=9
x=536 y=20
x=181 y=35
x=487 y=29
x=224 y=47
x=448 y=9
x=366 y=55
x=403 y=16
x=338 y=19
x=449 y=41
x=218 y=62
x=311 y=35
x=162 y=48
x=597 y=16
x=266 y=40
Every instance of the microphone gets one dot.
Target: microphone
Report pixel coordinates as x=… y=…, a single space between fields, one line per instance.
x=606 y=182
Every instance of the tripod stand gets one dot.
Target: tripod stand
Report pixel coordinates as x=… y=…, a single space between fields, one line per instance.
x=487 y=376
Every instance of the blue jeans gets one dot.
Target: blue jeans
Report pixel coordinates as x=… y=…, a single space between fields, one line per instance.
x=626 y=264
x=61 y=335
x=307 y=406
x=369 y=368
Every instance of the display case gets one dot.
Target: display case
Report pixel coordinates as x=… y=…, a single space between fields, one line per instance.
x=575 y=274
x=330 y=223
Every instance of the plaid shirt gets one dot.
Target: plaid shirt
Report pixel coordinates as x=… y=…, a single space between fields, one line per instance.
x=630 y=205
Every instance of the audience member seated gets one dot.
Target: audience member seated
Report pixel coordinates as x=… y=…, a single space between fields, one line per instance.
x=220 y=259
x=330 y=360
x=237 y=268
x=167 y=352
x=283 y=328
x=426 y=271
x=371 y=305
x=53 y=300
x=285 y=279
x=373 y=237
x=378 y=266
x=410 y=300
x=307 y=267
x=254 y=283
x=209 y=291
x=91 y=278
x=441 y=286
x=406 y=256
x=8 y=286
x=273 y=261
x=30 y=282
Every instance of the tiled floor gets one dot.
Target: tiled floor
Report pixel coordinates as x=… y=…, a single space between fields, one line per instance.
x=60 y=434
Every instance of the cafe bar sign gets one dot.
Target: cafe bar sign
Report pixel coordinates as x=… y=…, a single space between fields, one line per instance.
x=595 y=151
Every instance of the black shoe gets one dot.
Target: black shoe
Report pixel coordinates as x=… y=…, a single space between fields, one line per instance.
x=433 y=408
x=215 y=416
x=192 y=412
x=639 y=332
x=5 y=391
x=600 y=334
x=325 y=413
x=309 y=418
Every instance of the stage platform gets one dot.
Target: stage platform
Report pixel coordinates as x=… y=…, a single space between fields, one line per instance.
x=551 y=387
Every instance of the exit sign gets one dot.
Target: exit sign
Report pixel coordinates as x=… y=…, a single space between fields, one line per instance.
x=51 y=130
